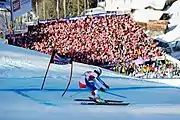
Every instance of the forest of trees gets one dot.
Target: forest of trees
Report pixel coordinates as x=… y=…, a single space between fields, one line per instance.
x=50 y=9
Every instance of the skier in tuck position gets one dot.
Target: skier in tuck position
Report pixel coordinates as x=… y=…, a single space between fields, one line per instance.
x=93 y=82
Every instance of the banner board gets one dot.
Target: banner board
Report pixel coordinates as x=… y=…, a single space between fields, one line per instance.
x=4 y=3
x=20 y=7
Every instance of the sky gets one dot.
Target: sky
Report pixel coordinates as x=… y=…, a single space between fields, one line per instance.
x=21 y=76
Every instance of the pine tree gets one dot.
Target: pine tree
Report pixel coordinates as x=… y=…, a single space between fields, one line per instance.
x=50 y=6
x=67 y=8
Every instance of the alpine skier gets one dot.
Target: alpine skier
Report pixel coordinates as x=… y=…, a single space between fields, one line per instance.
x=93 y=82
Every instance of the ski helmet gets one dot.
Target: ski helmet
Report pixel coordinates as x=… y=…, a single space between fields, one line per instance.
x=98 y=71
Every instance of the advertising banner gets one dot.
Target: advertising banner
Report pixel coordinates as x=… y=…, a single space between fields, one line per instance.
x=4 y=3
x=20 y=7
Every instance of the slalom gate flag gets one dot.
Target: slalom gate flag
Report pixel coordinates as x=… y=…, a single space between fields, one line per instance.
x=60 y=59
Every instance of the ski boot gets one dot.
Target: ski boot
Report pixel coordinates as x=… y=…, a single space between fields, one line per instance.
x=99 y=100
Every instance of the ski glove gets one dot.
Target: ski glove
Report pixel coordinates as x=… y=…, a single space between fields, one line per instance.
x=102 y=90
x=106 y=86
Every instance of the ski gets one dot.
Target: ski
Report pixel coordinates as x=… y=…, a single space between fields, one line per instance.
x=104 y=103
x=94 y=101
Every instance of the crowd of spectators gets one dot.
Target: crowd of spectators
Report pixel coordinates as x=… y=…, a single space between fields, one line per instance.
x=151 y=69
x=114 y=42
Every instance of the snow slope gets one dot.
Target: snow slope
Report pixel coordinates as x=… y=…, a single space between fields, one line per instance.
x=21 y=75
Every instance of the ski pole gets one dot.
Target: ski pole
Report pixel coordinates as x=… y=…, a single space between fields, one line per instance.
x=75 y=94
x=115 y=94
